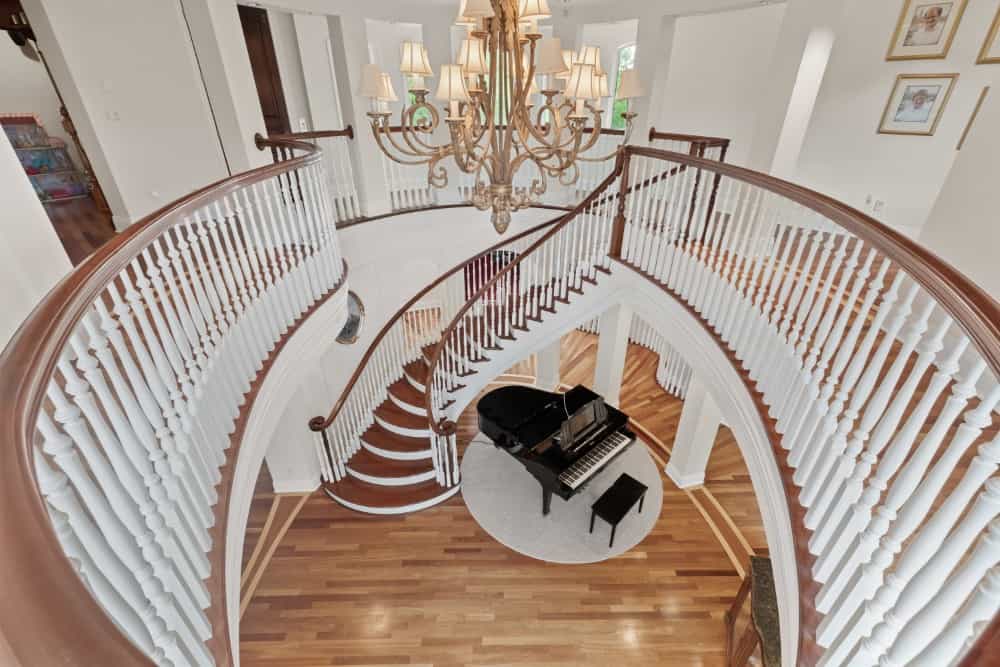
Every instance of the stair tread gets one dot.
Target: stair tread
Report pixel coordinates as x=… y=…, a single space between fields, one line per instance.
x=362 y=493
x=417 y=369
x=369 y=463
x=379 y=436
x=407 y=393
x=391 y=413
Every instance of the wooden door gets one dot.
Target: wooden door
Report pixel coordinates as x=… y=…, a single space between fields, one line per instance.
x=264 y=63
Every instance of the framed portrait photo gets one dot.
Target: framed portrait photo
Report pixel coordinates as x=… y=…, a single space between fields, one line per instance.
x=990 y=53
x=916 y=103
x=925 y=29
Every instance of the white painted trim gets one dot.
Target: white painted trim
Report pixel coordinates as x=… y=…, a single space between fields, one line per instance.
x=403 y=405
x=399 y=456
x=391 y=481
x=299 y=356
x=399 y=430
x=689 y=482
x=388 y=511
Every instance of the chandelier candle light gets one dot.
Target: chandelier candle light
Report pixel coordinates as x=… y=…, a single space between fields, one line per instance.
x=492 y=122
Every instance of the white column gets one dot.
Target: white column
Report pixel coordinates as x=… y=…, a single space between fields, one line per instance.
x=32 y=259
x=218 y=40
x=291 y=454
x=789 y=93
x=612 y=346
x=547 y=366
x=350 y=52
x=653 y=45
x=699 y=424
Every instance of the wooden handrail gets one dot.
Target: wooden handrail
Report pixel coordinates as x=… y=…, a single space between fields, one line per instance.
x=975 y=311
x=448 y=429
x=316 y=134
x=319 y=423
x=655 y=135
x=48 y=616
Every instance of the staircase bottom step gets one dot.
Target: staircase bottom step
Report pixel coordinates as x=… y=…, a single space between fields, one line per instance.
x=385 y=500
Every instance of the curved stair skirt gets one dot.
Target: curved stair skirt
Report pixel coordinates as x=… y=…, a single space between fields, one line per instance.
x=446 y=493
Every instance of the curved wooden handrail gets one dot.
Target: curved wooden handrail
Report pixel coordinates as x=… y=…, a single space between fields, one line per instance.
x=448 y=429
x=975 y=311
x=48 y=616
x=319 y=423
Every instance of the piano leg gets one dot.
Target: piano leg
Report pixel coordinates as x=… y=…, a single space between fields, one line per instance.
x=546 y=501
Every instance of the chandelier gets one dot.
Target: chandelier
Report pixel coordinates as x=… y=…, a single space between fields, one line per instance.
x=494 y=127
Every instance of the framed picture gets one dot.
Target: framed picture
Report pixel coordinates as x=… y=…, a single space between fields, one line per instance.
x=990 y=53
x=925 y=29
x=916 y=103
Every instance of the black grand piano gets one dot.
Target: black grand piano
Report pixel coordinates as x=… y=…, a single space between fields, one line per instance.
x=562 y=439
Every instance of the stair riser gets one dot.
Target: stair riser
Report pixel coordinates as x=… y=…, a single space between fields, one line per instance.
x=398 y=456
x=399 y=430
x=412 y=409
x=385 y=511
x=417 y=385
x=391 y=481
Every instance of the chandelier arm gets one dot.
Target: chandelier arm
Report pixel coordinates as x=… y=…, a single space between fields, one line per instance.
x=385 y=151
x=402 y=150
x=411 y=132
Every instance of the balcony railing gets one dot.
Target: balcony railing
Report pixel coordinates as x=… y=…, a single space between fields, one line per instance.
x=120 y=404
x=874 y=365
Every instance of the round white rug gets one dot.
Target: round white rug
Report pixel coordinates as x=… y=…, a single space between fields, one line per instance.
x=506 y=501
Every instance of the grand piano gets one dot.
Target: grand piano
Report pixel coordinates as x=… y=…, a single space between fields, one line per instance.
x=563 y=440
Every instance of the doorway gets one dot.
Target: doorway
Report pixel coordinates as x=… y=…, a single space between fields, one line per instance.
x=42 y=133
x=264 y=64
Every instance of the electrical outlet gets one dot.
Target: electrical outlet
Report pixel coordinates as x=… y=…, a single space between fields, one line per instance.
x=303 y=127
x=879 y=206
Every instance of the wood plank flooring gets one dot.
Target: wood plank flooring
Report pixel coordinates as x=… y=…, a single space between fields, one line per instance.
x=80 y=226
x=433 y=589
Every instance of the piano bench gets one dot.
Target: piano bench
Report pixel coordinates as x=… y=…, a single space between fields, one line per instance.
x=617 y=501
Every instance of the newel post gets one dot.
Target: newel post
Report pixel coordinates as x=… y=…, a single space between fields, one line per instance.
x=618 y=227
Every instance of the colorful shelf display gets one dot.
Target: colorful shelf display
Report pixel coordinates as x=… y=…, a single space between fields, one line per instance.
x=45 y=160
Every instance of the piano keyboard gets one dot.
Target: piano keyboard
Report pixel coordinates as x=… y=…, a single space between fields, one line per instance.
x=591 y=463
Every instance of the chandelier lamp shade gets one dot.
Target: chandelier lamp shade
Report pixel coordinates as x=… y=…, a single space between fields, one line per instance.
x=495 y=128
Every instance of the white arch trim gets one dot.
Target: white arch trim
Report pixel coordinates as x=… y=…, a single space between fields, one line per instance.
x=298 y=357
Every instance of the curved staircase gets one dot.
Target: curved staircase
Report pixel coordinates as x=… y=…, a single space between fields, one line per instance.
x=393 y=472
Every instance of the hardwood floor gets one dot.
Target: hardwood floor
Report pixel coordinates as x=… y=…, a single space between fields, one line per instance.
x=432 y=588
x=81 y=227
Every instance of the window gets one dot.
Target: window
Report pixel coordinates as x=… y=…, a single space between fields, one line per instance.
x=626 y=60
x=422 y=115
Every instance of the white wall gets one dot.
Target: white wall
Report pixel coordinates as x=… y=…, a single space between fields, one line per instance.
x=128 y=72
x=717 y=65
x=964 y=224
x=843 y=155
x=32 y=259
x=27 y=90
x=293 y=84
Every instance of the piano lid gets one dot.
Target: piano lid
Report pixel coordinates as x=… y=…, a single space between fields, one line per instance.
x=526 y=415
